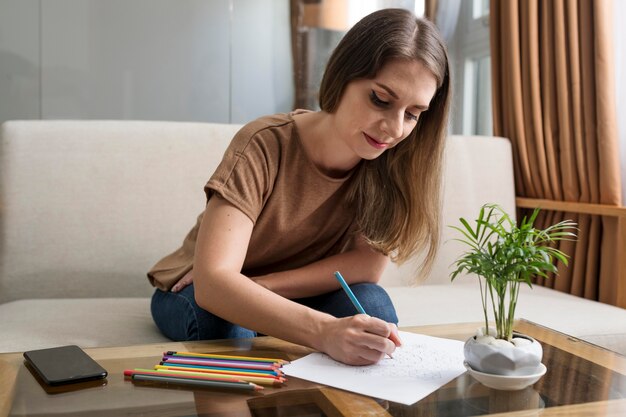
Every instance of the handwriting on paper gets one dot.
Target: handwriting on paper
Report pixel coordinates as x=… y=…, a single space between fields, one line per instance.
x=419 y=367
x=412 y=360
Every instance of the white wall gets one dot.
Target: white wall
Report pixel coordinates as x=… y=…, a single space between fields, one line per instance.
x=19 y=59
x=262 y=70
x=190 y=60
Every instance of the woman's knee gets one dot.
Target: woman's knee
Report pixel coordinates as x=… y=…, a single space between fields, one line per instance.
x=375 y=301
x=175 y=314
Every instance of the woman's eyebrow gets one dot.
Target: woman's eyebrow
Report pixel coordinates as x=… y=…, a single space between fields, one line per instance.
x=388 y=89
x=394 y=95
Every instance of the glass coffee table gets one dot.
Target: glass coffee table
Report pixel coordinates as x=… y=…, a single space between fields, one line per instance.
x=582 y=379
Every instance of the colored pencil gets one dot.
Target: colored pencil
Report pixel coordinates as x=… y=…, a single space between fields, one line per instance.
x=349 y=293
x=210 y=355
x=165 y=365
x=196 y=382
x=227 y=378
x=220 y=363
x=212 y=370
x=224 y=361
x=232 y=371
x=263 y=380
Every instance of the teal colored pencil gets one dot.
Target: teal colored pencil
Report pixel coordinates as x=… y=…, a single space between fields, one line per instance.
x=349 y=292
x=351 y=295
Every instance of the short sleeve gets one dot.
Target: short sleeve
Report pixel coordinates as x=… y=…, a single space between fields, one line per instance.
x=247 y=172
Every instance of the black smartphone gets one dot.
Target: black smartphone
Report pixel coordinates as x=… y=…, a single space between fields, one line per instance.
x=64 y=365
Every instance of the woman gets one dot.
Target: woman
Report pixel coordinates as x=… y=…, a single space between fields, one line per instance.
x=301 y=195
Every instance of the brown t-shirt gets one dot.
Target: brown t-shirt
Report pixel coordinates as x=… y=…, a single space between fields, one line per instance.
x=300 y=214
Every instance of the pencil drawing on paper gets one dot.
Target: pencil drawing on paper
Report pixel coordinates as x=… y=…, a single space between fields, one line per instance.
x=412 y=360
x=421 y=365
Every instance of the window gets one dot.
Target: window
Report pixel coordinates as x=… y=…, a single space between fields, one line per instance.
x=477 y=117
x=471 y=67
x=480 y=8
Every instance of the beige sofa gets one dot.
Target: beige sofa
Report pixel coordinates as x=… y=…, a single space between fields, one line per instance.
x=86 y=207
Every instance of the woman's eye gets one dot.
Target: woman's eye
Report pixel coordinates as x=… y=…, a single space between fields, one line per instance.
x=377 y=101
x=411 y=116
x=381 y=103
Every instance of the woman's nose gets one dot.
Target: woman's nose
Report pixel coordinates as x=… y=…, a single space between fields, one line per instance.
x=393 y=125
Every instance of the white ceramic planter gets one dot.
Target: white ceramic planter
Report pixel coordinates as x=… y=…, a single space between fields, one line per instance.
x=504 y=360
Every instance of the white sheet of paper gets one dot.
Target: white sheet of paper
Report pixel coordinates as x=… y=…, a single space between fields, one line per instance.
x=420 y=366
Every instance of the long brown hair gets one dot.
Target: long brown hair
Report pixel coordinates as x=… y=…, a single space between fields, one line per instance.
x=397 y=195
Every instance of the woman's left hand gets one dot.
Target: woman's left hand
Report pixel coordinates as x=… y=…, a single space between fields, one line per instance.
x=186 y=280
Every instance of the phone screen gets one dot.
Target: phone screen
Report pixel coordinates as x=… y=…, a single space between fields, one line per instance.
x=64 y=365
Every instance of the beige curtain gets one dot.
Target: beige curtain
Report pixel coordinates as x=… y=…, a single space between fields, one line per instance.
x=553 y=96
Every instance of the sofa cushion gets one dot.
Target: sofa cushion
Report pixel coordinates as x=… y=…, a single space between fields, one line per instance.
x=478 y=170
x=460 y=302
x=87 y=207
x=86 y=322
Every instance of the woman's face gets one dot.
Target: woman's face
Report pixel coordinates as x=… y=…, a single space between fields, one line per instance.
x=376 y=114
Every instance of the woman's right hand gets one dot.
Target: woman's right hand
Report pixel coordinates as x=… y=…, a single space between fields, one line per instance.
x=359 y=339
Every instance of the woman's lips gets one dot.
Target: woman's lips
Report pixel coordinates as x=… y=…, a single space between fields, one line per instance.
x=373 y=142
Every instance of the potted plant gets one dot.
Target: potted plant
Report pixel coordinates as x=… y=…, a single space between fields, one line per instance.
x=506 y=256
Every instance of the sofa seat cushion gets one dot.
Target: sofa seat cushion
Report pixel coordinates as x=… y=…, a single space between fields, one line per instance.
x=598 y=323
x=95 y=322
x=86 y=322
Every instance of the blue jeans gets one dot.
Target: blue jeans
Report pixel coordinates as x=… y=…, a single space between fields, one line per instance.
x=178 y=316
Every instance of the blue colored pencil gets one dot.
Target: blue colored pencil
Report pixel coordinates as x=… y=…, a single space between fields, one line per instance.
x=351 y=295
x=349 y=292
